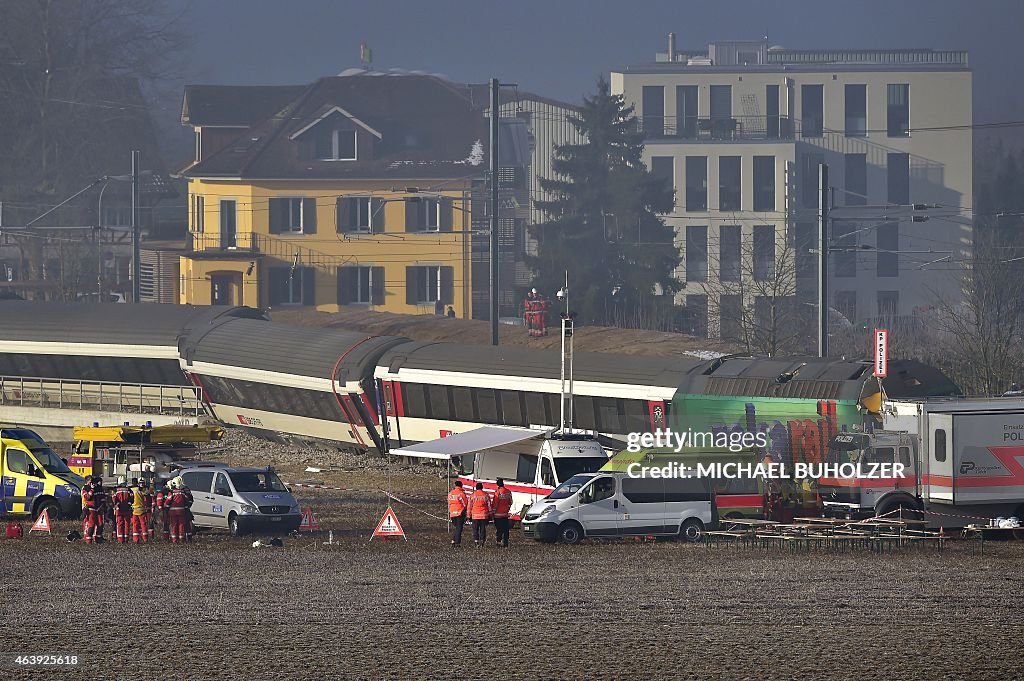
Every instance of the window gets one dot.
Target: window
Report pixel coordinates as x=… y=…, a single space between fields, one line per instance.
x=764 y=252
x=846 y=305
x=771 y=98
x=729 y=257
x=437 y=402
x=812 y=110
x=228 y=224
x=293 y=215
x=17 y=461
x=856 y=110
x=730 y=183
x=888 y=303
x=428 y=215
x=696 y=253
x=428 y=284
x=904 y=454
x=199 y=481
x=723 y=126
x=663 y=167
x=697 y=315
x=512 y=409
x=888 y=243
x=601 y=489
x=199 y=146
x=730 y=313
x=644 y=490
x=462 y=399
x=696 y=183
x=414 y=399
x=221 y=486
x=856 y=178
x=333 y=144
x=844 y=258
x=360 y=214
x=764 y=183
x=292 y=285
x=686 y=111
x=899 y=179
x=940 y=444
x=898 y=110
x=547 y=475
x=526 y=469
x=361 y=284
x=198 y=213
x=487 y=405
x=809 y=191
x=653 y=110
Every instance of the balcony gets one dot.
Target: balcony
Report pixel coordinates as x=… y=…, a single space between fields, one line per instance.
x=245 y=243
x=717 y=128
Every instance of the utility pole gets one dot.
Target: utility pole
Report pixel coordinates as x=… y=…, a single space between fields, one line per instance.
x=823 y=247
x=136 y=228
x=495 y=165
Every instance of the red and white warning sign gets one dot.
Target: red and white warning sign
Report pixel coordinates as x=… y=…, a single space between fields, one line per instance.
x=42 y=522
x=309 y=521
x=389 y=526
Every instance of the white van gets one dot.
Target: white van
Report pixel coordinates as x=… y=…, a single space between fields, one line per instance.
x=241 y=500
x=532 y=469
x=614 y=504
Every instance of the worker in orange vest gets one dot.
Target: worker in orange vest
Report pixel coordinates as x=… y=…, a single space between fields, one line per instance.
x=502 y=505
x=480 y=513
x=458 y=504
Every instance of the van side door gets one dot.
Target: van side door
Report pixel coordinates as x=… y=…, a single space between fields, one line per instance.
x=643 y=507
x=222 y=501
x=22 y=480
x=201 y=485
x=599 y=510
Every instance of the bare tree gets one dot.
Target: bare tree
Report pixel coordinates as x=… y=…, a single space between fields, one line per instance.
x=982 y=332
x=752 y=293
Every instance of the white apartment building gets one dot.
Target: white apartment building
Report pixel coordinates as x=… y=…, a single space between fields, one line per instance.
x=740 y=129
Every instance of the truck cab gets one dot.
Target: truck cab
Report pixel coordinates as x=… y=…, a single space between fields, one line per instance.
x=867 y=494
x=35 y=479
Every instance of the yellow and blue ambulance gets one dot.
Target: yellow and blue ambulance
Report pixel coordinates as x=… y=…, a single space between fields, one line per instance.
x=35 y=478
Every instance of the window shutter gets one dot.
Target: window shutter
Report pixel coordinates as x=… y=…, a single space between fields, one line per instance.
x=309 y=216
x=278 y=215
x=344 y=214
x=411 y=280
x=448 y=285
x=447 y=216
x=377 y=286
x=377 y=210
x=278 y=284
x=345 y=287
x=308 y=286
x=412 y=215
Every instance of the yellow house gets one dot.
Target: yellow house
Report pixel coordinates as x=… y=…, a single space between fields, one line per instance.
x=352 y=191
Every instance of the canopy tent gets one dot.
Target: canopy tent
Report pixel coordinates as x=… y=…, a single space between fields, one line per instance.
x=470 y=442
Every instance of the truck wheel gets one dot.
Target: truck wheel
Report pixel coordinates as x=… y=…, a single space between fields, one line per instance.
x=52 y=509
x=570 y=532
x=233 y=526
x=692 y=530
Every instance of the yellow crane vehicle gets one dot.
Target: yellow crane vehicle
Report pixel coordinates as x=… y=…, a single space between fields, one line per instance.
x=149 y=452
x=35 y=478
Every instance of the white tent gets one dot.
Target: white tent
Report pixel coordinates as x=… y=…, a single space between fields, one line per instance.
x=471 y=442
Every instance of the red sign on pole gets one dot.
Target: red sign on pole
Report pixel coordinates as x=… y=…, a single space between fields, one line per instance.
x=881 y=352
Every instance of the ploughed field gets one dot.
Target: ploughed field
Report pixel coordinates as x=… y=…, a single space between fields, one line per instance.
x=420 y=609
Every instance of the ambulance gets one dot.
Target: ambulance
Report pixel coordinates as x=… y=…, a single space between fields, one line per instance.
x=35 y=478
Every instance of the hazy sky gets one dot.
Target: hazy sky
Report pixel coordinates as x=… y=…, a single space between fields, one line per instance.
x=558 y=47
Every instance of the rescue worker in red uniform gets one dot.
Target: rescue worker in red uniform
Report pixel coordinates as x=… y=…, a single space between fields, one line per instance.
x=147 y=501
x=139 y=531
x=87 y=487
x=458 y=505
x=122 y=502
x=502 y=505
x=95 y=502
x=178 y=509
x=162 y=497
x=480 y=512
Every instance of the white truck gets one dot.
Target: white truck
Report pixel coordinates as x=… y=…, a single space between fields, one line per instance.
x=963 y=462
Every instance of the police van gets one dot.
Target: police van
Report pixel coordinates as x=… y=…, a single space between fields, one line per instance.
x=36 y=479
x=616 y=504
x=241 y=500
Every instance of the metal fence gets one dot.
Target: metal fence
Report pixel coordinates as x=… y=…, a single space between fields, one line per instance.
x=138 y=398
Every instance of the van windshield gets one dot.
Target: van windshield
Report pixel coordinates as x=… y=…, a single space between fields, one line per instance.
x=49 y=460
x=257 y=482
x=570 y=487
x=566 y=468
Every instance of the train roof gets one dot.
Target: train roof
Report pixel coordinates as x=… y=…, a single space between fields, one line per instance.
x=534 y=363
x=813 y=378
x=282 y=348
x=154 y=324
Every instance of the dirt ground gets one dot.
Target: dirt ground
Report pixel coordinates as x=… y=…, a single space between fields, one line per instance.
x=419 y=609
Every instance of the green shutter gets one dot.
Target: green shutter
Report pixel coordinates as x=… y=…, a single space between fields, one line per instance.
x=309 y=216
x=343 y=214
x=377 y=210
x=412 y=215
x=278 y=215
x=411 y=284
x=448 y=285
x=377 y=286
x=447 y=216
x=308 y=286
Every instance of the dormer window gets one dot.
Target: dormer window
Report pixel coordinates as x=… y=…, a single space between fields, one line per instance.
x=333 y=144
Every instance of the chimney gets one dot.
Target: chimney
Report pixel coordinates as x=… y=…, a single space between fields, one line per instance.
x=671 y=46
